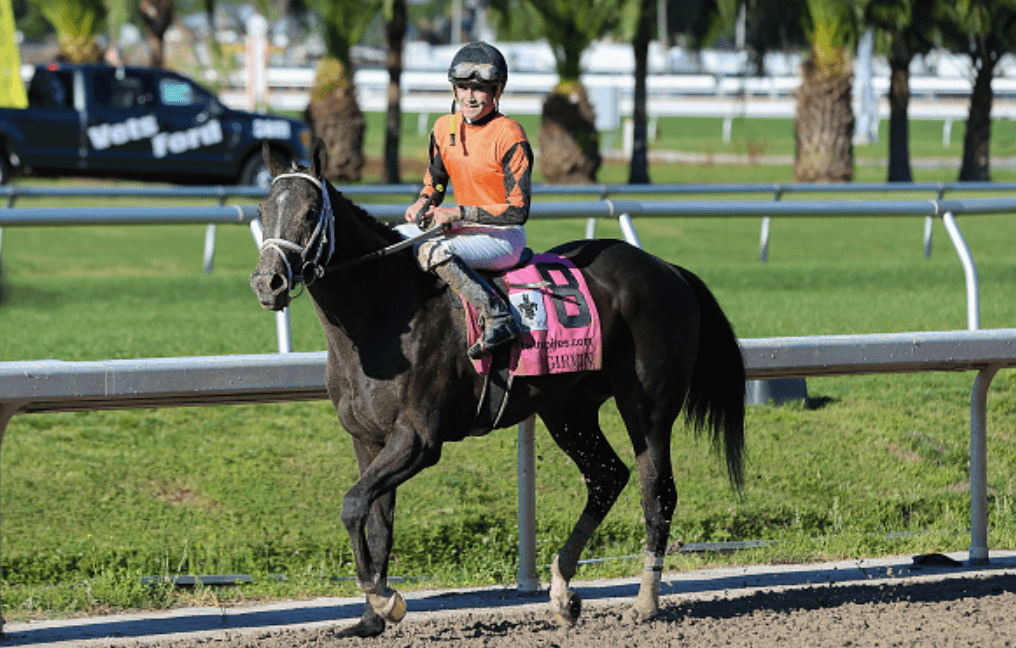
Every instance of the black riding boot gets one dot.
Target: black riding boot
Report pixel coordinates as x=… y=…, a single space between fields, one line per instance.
x=499 y=325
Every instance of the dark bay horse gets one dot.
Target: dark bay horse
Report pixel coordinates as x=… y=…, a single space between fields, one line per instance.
x=403 y=386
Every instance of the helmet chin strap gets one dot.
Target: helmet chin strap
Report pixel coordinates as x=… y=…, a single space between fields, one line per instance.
x=454 y=127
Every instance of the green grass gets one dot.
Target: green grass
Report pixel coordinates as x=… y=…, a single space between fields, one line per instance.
x=776 y=137
x=93 y=501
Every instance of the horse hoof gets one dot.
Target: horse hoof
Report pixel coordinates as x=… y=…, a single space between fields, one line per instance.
x=392 y=609
x=569 y=610
x=371 y=625
x=641 y=613
x=361 y=630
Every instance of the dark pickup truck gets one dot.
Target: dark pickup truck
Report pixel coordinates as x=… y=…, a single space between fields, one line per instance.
x=138 y=123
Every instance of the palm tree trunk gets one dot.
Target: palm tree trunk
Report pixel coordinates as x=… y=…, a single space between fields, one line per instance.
x=976 y=141
x=569 y=143
x=899 y=127
x=639 y=173
x=824 y=125
x=334 y=115
x=157 y=16
x=395 y=32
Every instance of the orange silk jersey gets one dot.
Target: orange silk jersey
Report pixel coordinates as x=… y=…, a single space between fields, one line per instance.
x=489 y=166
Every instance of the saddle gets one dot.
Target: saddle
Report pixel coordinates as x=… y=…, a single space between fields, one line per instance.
x=551 y=301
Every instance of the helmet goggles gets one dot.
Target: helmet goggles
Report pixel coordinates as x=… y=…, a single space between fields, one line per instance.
x=465 y=72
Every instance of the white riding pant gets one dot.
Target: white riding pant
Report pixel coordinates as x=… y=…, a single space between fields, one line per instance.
x=479 y=246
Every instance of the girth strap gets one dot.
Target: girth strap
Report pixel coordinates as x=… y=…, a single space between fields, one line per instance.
x=496 y=387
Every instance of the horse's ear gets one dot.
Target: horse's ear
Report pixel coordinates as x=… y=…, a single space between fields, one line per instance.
x=319 y=158
x=273 y=164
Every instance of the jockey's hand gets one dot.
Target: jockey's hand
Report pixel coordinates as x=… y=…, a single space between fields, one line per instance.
x=414 y=209
x=445 y=215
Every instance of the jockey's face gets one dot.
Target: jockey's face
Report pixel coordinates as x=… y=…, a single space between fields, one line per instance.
x=476 y=100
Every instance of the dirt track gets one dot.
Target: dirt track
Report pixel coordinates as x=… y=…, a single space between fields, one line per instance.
x=973 y=609
x=960 y=612
x=884 y=602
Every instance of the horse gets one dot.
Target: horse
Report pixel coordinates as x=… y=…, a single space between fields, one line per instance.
x=403 y=386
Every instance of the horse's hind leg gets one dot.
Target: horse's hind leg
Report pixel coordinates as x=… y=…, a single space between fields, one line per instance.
x=574 y=426
x=649 y=428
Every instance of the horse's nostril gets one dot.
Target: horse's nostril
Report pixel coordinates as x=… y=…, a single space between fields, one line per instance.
x=277 y=283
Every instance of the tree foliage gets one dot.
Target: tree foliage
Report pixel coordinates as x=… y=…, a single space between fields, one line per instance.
x=333 y=113
x=824 y=119
x=395 y=14
x=345 y=22
x=984 y=30
x=76 y=23
x=909 y=27
x=569 y=26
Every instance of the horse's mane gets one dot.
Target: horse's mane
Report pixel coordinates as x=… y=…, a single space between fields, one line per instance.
x=383 y=231
x=363 y=218
x=361 y=215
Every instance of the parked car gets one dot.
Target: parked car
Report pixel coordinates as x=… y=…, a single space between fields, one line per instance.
x=139 y=123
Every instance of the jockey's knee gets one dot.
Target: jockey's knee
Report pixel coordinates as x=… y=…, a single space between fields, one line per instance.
x=431 y=254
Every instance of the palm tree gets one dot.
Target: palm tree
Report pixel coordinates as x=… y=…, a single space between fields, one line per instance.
x=700 y=21
x=77 y=23
x=771 y=25
x=638 y=27
x=984 y=29
x=568 y=140
x=908 y=25
x=395 y=35
x=333 y=113
x=157 y=16
x=824 y=121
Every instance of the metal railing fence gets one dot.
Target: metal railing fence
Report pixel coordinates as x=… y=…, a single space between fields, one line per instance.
x=603 y=191
x=624 y=210
x=11 y=193
x=854 y=359
x=49 y=385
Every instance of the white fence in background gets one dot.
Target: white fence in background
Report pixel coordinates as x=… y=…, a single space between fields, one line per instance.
x=670 y=95
x=51 y=385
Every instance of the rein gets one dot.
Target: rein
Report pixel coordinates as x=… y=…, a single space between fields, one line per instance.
x=315 y=260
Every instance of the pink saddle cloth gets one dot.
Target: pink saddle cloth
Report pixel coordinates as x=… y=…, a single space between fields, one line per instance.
x=549 y=297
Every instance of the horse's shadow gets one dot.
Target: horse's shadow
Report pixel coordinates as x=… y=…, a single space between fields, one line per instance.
x=818 y=402
x=18 y=295
x=818 y=596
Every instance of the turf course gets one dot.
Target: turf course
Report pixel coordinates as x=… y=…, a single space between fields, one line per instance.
x=95 y=501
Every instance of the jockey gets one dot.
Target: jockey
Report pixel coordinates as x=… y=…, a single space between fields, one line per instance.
x=488 y=160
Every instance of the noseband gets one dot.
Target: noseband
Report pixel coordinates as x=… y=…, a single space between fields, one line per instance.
x=319 y=249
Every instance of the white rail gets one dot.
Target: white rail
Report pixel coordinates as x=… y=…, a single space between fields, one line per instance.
x=687 y=95
x=49 y=385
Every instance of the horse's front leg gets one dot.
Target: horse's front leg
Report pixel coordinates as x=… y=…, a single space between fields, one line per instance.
x=380 y=522
x=369 y=507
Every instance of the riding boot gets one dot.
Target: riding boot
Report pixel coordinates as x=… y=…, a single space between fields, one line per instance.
x=499 y=325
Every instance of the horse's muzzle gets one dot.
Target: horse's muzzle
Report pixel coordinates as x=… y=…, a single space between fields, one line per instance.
x=272 y=289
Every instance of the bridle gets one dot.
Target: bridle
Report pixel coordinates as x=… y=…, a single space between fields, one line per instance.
x=319 y=249
x=316 y=255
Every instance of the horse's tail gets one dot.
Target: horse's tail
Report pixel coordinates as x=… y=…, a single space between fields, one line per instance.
x=715 y=400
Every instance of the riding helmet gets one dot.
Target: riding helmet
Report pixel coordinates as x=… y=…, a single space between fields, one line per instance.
x=478 y=62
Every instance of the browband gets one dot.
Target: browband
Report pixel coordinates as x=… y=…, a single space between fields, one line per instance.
x=297 y=174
